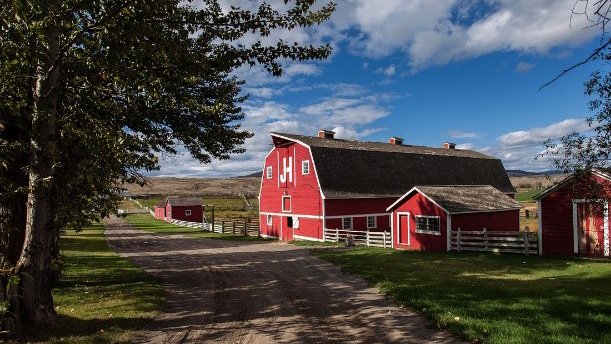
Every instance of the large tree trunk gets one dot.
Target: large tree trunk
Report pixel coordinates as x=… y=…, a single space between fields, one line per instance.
x=37 y=253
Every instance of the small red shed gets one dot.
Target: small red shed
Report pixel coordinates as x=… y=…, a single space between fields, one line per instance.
x=573 y=223
x=180 y=208
x=160 y=209
x=423 y=217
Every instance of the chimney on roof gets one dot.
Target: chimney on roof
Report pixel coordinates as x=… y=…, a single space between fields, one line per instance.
x=326 y=134
x=449 y=145
x=395 y=140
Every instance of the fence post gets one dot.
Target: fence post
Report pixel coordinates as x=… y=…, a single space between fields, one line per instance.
x=336 y=235
x=486 y=237
x=525 y=234
x=367 y=238
x=222 y=227
x=245 y=229
x=233 y=228
x=384 y=239
x=458 y=240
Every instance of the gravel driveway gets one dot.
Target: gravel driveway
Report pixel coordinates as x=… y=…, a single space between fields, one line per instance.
x=259 y=292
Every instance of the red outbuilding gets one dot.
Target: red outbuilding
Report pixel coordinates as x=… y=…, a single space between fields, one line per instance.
x=310 y=183
x=180 y=208
x=571 y=220
x=424 y=216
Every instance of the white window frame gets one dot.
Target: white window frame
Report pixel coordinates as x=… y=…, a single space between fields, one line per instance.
x=269 y=220
x=188 y=212
x=269 y=174
x=375 y=222
x=344 y=224
x=427 y=231
x=305 y=167
x=290 y=204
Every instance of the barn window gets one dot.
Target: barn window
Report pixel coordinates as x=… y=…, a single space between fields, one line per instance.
x=286 y=203
x=188 y=212
x=372 y=222
x=305 y=167
x=289 y=222
x=269 y=220
x=347 y=223
x=268 y=172
x=427 y=224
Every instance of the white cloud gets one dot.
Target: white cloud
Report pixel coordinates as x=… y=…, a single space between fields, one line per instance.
x=350 y=110
x=537 y=136
x=522 y=149
x=524 y=67
x=388 y=71
x=457 y=134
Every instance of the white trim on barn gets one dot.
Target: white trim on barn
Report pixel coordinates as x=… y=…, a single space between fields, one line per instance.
x=400 y=199
x=606 y=229
x=448 y=232
x=317 y=217
x=540 y=232
x=356 y=215
x=305 y=238
x=409 y=236
x=575 y=225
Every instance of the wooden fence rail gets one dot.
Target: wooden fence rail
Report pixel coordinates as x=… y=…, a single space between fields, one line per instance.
x=494 y=241
x=235 y=227
x=365 y=238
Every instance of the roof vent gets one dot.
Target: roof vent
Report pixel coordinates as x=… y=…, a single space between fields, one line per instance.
x=326 y=134
x=395 y=140
x=449 y=145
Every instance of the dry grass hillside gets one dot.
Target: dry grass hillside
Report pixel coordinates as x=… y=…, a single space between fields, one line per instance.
x=226 y=187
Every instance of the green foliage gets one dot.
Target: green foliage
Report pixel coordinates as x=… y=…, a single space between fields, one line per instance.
x=123 y=82
x=527 y=196
x=493 y=298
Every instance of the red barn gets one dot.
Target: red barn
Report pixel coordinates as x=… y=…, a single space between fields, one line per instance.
x=311 y=183
x=423 y=218
x=570 y=224
x=180 y=208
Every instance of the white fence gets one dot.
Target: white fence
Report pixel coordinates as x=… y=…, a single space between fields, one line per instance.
x=366 y=238
x=133 y=211
x=225 y=227
x=494 y=241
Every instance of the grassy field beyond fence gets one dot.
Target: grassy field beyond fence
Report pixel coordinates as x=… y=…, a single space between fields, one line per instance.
x=493 y=298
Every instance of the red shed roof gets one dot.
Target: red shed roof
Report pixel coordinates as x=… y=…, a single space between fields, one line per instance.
x=457 y=199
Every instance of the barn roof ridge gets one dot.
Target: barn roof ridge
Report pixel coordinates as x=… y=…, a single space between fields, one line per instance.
x=374 y=146
x=601 y=172
x=352 y=169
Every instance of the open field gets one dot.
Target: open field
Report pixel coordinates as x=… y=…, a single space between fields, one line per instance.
x=226 y=187
x=150 y=224
x=100 y=297
x=493 y=298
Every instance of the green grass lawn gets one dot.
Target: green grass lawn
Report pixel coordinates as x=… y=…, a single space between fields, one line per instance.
x=151 y=224
x=493 y=298
x=101 y=297
x=527 y=195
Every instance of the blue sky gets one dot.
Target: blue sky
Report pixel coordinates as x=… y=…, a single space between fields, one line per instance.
x=428 y=71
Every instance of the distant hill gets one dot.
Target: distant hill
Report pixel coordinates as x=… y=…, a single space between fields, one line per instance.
x=252 y=175
x=520 y=173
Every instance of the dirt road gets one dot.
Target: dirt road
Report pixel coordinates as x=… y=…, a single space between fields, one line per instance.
x=255 y=292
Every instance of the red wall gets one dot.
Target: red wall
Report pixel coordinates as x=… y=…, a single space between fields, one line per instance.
x=160 y=213
x=419 y=205
x=303 y=189
x=494 y=221
x=340 y=207
x=359 y=223
x=557 y=220
x=178 y=213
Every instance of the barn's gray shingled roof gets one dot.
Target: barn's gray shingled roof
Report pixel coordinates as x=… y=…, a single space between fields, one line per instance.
x=355 y=169
x=462 y=199
x=184 y=201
